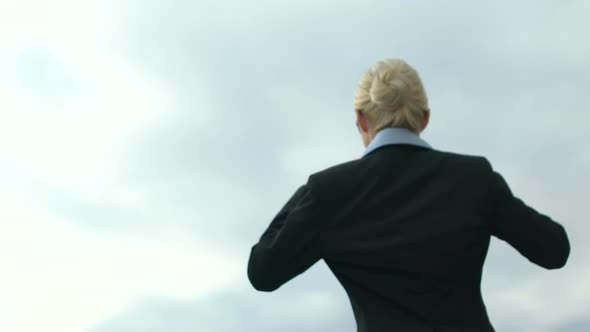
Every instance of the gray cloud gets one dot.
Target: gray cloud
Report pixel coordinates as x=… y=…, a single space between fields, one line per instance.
x=579 y=324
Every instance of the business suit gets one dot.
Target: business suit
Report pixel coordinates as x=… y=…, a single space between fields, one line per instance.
x=405 y=229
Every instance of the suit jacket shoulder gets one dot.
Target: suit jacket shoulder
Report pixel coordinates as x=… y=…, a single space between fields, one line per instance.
x=344 y=176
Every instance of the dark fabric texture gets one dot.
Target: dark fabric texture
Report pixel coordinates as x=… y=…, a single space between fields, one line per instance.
x=405 y=230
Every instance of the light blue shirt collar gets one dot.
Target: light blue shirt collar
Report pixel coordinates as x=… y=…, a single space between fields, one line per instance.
x=395 y=135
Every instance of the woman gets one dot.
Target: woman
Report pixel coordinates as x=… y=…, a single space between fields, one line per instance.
x=405 y=228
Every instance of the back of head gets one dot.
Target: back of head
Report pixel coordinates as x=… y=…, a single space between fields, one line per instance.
x=391 y=94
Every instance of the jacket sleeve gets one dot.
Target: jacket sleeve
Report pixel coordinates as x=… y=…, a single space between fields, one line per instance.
x=536 y=236
x=291 y=243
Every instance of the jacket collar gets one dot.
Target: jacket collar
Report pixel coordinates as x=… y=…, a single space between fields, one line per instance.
x=395 y=135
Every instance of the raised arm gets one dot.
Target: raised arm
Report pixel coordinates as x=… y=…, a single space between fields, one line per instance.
x=291 y=243
x=536 y=236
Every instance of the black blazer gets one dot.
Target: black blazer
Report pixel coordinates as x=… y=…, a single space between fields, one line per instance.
x=405 y=229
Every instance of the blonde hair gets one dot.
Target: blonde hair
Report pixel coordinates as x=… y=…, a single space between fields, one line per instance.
x=391 y=94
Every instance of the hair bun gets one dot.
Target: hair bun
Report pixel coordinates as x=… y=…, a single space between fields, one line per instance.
x=388 y=92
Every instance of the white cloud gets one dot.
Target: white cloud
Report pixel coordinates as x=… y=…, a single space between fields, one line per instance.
x=68 y=277
x=69 y=137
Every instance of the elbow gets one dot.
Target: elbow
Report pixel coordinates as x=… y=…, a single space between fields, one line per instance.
x=561 y=254
x=561 y=261
x=262 y=285
x=259 y=277
x=260 y=282
x=557 y=263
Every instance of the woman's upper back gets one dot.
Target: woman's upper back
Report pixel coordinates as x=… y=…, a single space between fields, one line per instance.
x=410 y=232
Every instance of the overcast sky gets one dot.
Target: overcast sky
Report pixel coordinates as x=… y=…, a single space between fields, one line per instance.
x=146 y=145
